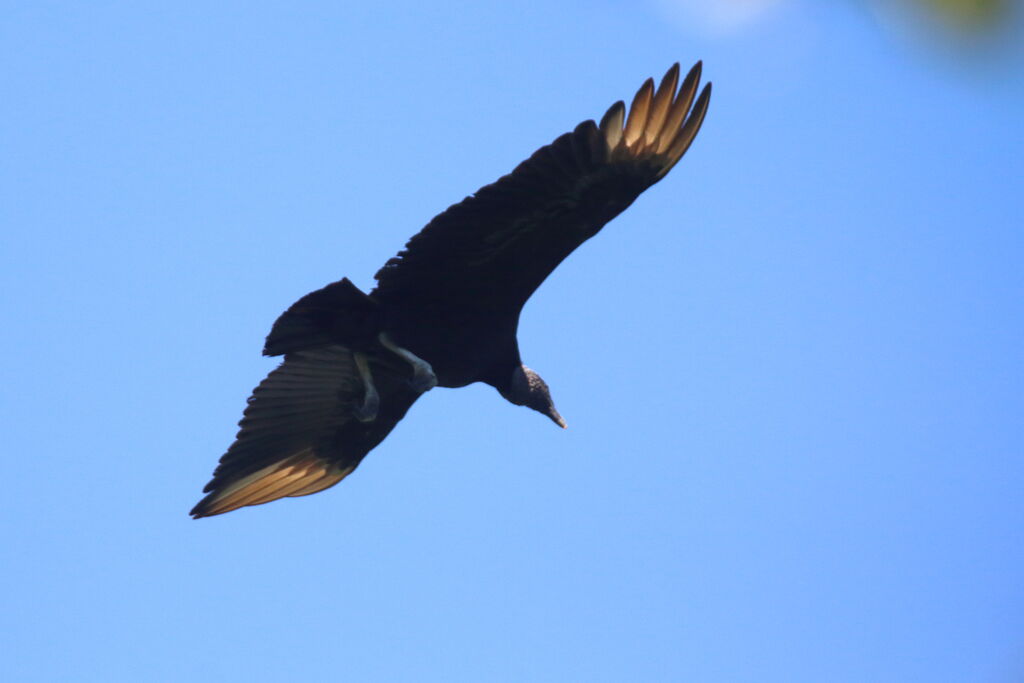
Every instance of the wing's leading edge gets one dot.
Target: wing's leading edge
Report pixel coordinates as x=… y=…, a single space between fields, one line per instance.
x=496 y=247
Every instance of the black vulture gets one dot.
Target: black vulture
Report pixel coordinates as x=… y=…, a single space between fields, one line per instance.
x=446 y=308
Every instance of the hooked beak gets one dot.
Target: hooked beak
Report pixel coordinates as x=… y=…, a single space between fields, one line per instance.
x=555 y=417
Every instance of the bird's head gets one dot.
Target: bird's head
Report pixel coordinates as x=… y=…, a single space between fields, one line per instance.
x=526 y=388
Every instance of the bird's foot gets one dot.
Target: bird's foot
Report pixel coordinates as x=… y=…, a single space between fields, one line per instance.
x=367 y=412
x=423 y=377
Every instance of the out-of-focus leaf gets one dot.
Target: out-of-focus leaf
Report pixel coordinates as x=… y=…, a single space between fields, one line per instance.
x=971 y=15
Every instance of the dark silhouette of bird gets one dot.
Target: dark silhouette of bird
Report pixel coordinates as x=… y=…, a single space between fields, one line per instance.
x=445 y=309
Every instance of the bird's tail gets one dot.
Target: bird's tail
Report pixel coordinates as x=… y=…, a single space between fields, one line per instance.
x=340 y=313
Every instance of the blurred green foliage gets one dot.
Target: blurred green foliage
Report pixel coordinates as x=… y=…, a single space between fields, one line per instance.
x=972 y=15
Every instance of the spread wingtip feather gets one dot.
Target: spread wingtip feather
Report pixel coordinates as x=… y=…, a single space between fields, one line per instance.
x=636 y=123
x=299 y=475
x=660 y=105
x=660 y=124
x=611 y=124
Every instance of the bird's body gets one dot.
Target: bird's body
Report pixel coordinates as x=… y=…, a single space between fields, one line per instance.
x=445 y=311
x=486 y=341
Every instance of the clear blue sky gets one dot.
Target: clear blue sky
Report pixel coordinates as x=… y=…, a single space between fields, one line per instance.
x=792 y=371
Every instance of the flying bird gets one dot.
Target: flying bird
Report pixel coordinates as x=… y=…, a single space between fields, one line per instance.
x=445 y=309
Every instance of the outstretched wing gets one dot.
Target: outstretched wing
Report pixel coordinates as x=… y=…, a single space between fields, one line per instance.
x=499 y=245
x=298 y=435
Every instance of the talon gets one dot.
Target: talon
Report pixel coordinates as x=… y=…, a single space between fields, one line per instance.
x=423 y=377
x=423 y=382
x=371 y=399
x=368 y=411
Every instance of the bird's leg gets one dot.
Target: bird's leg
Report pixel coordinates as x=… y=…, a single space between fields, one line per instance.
x=371 y=399
x=423 y=377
